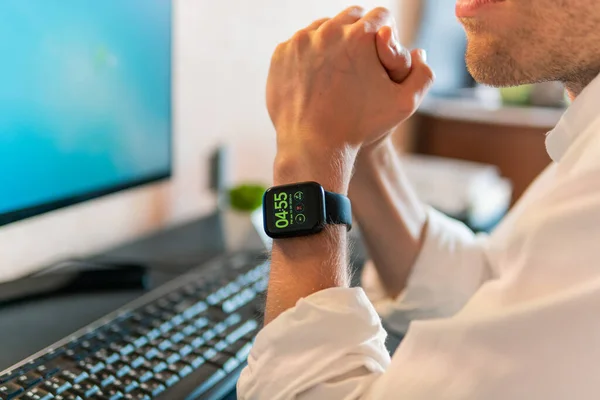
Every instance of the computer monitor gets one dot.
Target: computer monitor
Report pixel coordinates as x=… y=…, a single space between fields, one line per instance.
x=85 y=100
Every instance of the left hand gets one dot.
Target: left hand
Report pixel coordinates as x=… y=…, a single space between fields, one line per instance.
x=329 y=92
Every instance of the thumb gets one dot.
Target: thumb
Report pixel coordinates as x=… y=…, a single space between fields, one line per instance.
x=394 y=58
x=418 y=82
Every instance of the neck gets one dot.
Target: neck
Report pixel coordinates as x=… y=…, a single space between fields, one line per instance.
x=576 y=84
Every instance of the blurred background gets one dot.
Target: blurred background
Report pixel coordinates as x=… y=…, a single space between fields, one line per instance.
x=487 y=144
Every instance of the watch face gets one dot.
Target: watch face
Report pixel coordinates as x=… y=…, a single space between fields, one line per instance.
x=294 y=210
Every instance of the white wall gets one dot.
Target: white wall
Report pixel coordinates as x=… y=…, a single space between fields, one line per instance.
x=222 y=53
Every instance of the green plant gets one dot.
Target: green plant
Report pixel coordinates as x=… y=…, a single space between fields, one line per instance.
x=516 y=96
x=246 y=197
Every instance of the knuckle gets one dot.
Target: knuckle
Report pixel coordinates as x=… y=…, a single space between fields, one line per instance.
x=330 y=29
x=301 y=38
x=382 y=12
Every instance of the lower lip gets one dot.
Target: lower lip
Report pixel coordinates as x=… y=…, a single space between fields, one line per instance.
x=469 y=8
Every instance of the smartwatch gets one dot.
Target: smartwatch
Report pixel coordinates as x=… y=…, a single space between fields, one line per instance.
x=303 y=209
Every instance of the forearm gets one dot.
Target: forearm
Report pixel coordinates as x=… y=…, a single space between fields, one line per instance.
x=305 y=265
x=391 y=217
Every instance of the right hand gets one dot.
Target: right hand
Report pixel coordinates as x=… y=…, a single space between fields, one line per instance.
x=328 y=91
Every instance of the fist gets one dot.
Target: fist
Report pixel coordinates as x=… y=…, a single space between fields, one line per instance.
x=343 y=82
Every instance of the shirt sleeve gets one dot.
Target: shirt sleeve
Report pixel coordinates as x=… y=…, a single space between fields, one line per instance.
x=333 y=339
x=450 y=268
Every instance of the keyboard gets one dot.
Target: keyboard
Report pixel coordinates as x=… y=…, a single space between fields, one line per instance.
x=188 y=339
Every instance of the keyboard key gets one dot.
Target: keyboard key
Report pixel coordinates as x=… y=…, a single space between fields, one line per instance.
x=178 y=337
x=175 y=297
x=102 y=379
x=189 y=330
x=91 y=366
x=233 y=319
x=153 y=334
x=28 y=379
x=247 y=327
x=181 y=368
x=137 y=394
x=167 y=378
x=185 y=350
x=209 y=334
x=152 y=387
x=56 y=385
x=46 y=371
x=38 y=394
x=231 y=364
x=158 y=365
x=67 y=396
x=74 y=375
x=178 y=320
x=165 y=344
x=118 y=369
x=242 y=354
x=128 y=349
x=106 y=356
x=128 y=384
x=10 y=390
x=216 y=358
x=221 y=345
x=197 y=342
x=85 y=389
x=147 y=375
x=194 y=360
x=150 y=352
x=164 y=303
x=112 y=393
x=239 y=300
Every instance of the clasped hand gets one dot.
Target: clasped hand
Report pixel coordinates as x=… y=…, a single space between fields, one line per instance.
x=341 y=84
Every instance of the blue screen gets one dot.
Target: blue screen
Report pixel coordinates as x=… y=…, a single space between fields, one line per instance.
x=85 y=97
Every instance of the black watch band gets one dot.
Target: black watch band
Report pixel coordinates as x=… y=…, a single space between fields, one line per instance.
x=338 y=209
x=303 y=209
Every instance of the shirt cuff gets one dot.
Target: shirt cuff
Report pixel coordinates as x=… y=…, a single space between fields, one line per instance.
x=449 y=269
x=325 y=336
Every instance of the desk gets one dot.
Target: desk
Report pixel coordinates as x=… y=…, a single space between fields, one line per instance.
x=29 y=327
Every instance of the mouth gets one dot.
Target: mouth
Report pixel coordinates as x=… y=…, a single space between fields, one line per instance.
x=470 y=8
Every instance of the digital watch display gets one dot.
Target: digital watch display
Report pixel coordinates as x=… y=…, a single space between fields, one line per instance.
x=303 y=209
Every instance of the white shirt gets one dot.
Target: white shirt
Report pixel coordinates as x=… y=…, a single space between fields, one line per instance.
x=515 y=315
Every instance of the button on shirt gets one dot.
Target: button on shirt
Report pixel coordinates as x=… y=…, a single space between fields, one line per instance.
x=515 y=315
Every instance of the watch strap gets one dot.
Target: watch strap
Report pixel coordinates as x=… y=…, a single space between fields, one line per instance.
x=338 y=209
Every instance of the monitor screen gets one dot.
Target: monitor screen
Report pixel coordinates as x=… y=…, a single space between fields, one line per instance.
x=85 y=100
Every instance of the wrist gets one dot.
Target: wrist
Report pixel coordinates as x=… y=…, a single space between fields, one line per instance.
x=330 y=167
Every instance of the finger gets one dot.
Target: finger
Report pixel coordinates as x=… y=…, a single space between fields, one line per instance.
x=350 y=15
x=394 y=57
x=376 y=19
x=317 y=24
x=419 y=81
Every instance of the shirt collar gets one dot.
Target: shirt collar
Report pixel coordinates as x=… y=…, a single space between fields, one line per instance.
x=579 y=116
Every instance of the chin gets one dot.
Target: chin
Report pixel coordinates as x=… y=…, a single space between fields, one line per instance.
x=492 y=64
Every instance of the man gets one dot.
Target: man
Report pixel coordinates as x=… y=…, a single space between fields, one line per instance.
x=510 y=316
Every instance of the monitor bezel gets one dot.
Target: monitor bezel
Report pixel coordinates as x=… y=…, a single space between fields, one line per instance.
x=43 y=208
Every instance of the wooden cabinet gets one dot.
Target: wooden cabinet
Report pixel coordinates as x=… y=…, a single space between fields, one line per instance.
x=511 y=138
